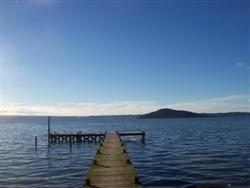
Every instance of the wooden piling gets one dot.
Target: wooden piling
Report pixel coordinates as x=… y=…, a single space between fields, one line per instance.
x=35 y=142
x=48 y=129
x=111 y=166
x=143 y=137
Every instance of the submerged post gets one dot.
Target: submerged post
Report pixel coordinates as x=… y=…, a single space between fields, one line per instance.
x=48 y=129
x=35 y=142
x=143 y=137
x=70 y=144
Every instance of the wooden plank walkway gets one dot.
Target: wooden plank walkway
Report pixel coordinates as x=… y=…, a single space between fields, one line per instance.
x=112 y=167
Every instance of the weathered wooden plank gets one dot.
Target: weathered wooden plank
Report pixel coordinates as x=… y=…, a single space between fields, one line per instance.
x=136 y=133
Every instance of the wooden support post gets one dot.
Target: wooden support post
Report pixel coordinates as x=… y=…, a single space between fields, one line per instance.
x=70 y=144
x=143 y=137
x=137 y=180
x=78 y=138
x=48 y=129
x=94 y=162
x=87 y=182
x=35 y=142
x=128 y=161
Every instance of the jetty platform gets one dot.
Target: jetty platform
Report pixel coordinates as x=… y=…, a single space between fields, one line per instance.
x=86 y=137
x=83 y=137
x=111 y=166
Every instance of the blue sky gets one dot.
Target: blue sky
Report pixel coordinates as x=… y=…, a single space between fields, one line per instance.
x=123 y=57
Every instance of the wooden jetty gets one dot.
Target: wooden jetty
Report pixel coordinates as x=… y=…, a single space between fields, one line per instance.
x=85 y=137
x=75 y=137
x=111 y=166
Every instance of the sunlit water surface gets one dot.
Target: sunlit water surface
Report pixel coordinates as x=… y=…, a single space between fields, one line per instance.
x=177 y=152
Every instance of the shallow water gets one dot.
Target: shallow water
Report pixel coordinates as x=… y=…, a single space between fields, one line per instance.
x=177 y=152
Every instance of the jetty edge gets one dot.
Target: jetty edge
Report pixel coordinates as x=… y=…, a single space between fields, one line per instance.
x=111 y=166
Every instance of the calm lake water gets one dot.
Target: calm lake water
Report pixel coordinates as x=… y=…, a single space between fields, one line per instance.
x=177 y=152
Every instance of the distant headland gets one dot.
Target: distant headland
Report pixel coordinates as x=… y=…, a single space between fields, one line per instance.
x=171 y=113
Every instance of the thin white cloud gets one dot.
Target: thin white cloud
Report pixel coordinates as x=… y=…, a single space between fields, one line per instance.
x=220 y=104
x=230 y=98
x=82 y=109
x=39 y=3
x=243 y=65
x=240 y=64
x=43 y=1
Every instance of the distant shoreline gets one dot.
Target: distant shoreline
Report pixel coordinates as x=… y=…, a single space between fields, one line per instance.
x=170 y=113
x=207 y=115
